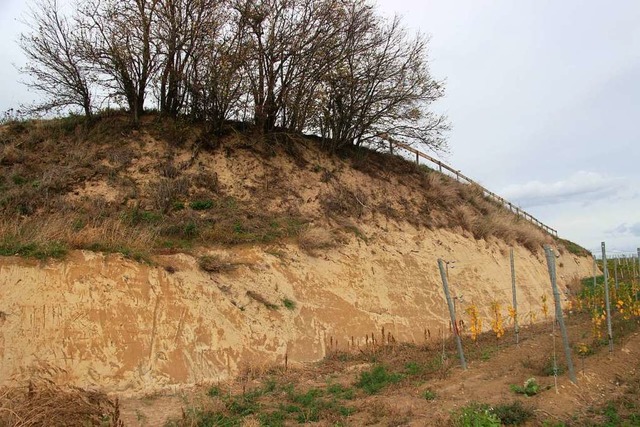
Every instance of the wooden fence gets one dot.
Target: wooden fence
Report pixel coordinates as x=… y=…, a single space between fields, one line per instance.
x=443 y=168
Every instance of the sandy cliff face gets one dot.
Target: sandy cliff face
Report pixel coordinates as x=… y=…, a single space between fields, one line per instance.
x=101 y=320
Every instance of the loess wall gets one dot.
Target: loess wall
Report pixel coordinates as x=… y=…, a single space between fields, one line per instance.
x=104 y=321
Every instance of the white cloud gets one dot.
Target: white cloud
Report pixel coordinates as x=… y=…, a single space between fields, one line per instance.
x=582 y=186
x=626 y=229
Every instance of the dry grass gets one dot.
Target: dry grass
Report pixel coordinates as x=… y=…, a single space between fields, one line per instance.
x=312 y=239
x=215 y=264
x=44 y=233
x=257 y=199
x=44 y=404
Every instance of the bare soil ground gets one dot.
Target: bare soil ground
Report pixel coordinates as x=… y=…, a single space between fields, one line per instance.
x=418 y=388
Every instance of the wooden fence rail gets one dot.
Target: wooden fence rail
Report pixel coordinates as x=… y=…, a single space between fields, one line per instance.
x=465 y=179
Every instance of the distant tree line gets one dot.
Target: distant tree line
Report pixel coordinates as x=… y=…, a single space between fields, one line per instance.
x=335 y=68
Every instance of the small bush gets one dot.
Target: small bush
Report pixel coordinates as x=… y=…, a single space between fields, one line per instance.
x=201 y=205
x=512 y=414
x=375 y=380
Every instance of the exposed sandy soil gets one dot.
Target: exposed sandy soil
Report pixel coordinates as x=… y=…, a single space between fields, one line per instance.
x=104 y=321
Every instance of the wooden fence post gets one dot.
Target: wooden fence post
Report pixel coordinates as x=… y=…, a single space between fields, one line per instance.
x=606 y=296
x=551 y=264
x=515 y=300
x=454 y=324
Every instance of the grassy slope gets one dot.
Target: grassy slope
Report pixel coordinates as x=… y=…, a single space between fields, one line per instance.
x=167 y=186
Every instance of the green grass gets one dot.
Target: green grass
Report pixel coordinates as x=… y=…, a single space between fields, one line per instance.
x=201 y=205
x=574 y=248
x=56 y=250
x=378 y=378
x=341 y=392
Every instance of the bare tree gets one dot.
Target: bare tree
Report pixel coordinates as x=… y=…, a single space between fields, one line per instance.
x=55 y=61
x=285 y=40
x=216 y=86
x=120 y=45
x=184 y=31
x=382 y=85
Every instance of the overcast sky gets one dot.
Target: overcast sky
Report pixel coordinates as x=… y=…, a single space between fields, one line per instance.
x=543 y=95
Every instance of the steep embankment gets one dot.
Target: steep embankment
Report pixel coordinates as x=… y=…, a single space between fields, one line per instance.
x=256 y=254
x=96 y=320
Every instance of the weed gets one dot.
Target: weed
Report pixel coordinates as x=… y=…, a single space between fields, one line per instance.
x=214 y=391
x=272 y=419
x=340 y=392
x=413 y=368
x=513 y=413
x=475 y=415
x=19 y=180
x=288 y=304
x=530 y=388
x=136 y=216
x=429 y=394
x=244 y=405
x=375 y=380
x=201 y=205
x=552 y=368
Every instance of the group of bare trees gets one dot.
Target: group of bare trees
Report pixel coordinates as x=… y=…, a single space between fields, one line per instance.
x=330 y=67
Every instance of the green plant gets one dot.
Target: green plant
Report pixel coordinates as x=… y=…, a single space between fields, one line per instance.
x=137 y=216
x=475 y=415
x=513 y=413
x=413 y=368
x=201 y=205
x=288 y=304
x=272 y=419
x=375 y=380
x=214 y=391
x=530 y=388
x=429 y=394
x=551 y=368
x=18 y=179
x=340 y=392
